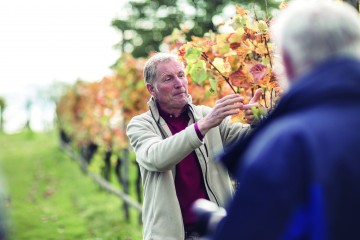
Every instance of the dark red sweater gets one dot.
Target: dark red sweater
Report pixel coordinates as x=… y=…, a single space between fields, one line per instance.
x=189 y=182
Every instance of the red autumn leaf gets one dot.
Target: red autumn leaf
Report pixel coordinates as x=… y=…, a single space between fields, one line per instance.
x=182 y=52
x=240 y=79
x=258 y=71
x=234 y=45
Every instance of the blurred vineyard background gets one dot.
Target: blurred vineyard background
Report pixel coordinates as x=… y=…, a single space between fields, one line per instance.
x=78 y=177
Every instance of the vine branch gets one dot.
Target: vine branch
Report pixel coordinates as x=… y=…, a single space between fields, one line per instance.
x=268 y=51
x=222 y=75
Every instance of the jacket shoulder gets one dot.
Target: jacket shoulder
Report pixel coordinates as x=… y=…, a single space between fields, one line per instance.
x=146 y=116
x=142 y=119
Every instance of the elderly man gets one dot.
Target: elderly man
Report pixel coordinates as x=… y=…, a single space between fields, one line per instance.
x=299 y=172
x=175 y=144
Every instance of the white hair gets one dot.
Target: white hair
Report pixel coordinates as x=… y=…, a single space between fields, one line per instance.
x=312 y=31
x=151 y=64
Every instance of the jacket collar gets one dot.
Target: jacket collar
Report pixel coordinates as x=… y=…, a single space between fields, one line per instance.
x=155 y=111
x=334 y=80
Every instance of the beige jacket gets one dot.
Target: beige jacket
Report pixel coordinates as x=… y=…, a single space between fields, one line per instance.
x=158 y=152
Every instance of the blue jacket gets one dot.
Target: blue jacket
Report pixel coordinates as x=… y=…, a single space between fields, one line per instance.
x=299 y=172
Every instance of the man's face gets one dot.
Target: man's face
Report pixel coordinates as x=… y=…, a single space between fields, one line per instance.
x=171 y=86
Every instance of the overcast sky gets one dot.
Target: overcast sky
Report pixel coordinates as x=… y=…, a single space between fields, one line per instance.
x=43 y=41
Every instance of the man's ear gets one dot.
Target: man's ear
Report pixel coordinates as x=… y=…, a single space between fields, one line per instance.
x=150 y=89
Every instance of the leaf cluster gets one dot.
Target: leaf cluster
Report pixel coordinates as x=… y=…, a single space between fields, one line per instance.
x=90 y=112
x=145 y=23
x=238 y=62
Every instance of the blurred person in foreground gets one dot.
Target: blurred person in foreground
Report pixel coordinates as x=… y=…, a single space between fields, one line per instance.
x=299 y=172
x=176 y=143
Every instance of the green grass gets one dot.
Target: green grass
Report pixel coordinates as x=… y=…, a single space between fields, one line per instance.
x=50 y=198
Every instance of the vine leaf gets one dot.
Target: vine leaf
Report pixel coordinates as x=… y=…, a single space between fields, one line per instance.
x=258 y=71
x=221 y=65
x=192 y=55
x=240 y=78
x=213 y=85
x=197 y=71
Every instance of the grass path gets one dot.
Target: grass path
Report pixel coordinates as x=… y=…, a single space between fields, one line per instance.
x=50 y=198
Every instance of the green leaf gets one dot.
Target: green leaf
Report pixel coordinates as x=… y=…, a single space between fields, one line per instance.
x=219 y=64
x=188 y=69
x=266 y=61
x=192 y=55
x=213 y=85
x=259 y=113
x=198 y=72
x=237 y=35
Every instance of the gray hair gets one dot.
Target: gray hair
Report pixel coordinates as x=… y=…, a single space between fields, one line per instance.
x=151 y=64
x=311 y=31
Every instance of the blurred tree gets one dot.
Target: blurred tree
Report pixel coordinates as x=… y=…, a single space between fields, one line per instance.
x=145 y=23
x=28 y=107
x=2 y=109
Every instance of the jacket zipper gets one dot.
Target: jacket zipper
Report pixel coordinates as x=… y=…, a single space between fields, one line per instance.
x=206 y=175
x=206 y=166
x=207 y=154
